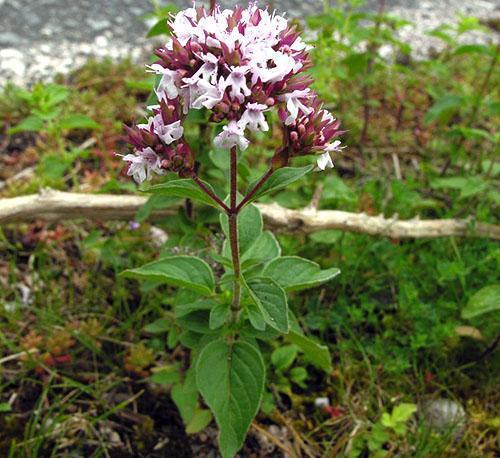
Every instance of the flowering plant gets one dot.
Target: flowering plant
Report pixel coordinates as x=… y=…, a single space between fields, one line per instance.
x=238 y=64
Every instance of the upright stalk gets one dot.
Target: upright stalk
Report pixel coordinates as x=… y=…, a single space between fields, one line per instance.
x=259 y=184
x=233 y=233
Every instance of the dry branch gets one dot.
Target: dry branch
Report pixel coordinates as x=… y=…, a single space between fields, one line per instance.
x=57 y=206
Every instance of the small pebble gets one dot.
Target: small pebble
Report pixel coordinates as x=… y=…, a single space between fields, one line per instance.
x=444 y=415
x=321 y=402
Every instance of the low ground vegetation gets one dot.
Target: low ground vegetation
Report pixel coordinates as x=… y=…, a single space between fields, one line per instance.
x=88 y=358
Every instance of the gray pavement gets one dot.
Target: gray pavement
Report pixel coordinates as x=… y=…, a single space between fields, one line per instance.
x=39 y=38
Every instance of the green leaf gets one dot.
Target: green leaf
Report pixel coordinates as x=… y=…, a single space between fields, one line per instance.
x=196 y=322
x=295 y=274
x=195 y=316
x=484 y=301
x=53 y=166
x=166 y=375
x=468 y=186
x=182 y=271
x=143 y=85
x=280 y=179
x=255 y=316
x=159 y=326
x=283 y=357
x=315 y=353
x=265 y=248
x=326 y=236
x=193 y=305
x=185 y=188
x=449 y=182
x=403 y=412
x=199 y=421
x=231 y=380
x=155 y=202
x=219 y=315
x=78 y=121
x=185 y=396
x=52 y=94
x=271 y=301
x=298 y=375
x=29 y=124
x=160 y=28
x=5 y=407
x=336 y=190
x=443 y=109
x=250 y=226
x=473 y=49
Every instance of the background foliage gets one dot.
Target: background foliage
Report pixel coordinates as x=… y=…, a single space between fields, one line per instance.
x=405 y=321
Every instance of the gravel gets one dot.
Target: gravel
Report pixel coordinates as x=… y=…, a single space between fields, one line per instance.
x=39 y=38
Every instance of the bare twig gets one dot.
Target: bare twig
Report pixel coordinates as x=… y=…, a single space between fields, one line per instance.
x=53 y=205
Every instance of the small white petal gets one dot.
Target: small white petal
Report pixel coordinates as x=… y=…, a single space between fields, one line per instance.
x=325 y=161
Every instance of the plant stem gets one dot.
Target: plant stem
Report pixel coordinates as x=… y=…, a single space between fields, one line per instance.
x=210 y=194
x=233 y=233
x=263 y=179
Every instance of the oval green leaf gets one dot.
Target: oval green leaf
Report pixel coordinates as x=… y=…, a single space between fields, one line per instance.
x=280 y=179
x=184 y=188
x=317 y=354
x=271 y=301
x=484 y=301
x=231 y=380
x=295 y=274
x=182 y=271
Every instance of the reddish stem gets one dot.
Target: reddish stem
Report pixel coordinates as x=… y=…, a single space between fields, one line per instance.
x=233 y=232
x=259 y=185
x=207 y=191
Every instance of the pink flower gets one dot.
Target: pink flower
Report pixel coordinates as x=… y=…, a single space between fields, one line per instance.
x=207 y=72
x=168 y=133
x=309 y=133
x=229 y=60
x=253 y=117
x=324 y=161
x=142 y=164
x=167 y=85
x=231 y=135
x=294 y=104
x=205 y=94
x=238 y=84
x=271 y=66
x=237 y=64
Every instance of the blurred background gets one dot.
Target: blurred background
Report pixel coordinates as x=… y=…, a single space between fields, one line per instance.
x=43 y=37
x=89 y=361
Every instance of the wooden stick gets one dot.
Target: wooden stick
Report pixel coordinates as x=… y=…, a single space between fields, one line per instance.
x=53 y=205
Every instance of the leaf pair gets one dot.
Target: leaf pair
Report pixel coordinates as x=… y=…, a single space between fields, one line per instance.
x=188 y=189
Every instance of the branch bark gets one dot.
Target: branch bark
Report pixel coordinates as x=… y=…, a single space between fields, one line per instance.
x=53 y=205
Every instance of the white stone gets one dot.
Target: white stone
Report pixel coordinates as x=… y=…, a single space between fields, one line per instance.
x=101 y=41
x=11 y=61
x=444 y=415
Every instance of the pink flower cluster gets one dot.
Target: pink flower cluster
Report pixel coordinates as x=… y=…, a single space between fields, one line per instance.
x=309 y=133
x=238 y=64
x=159 y=144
